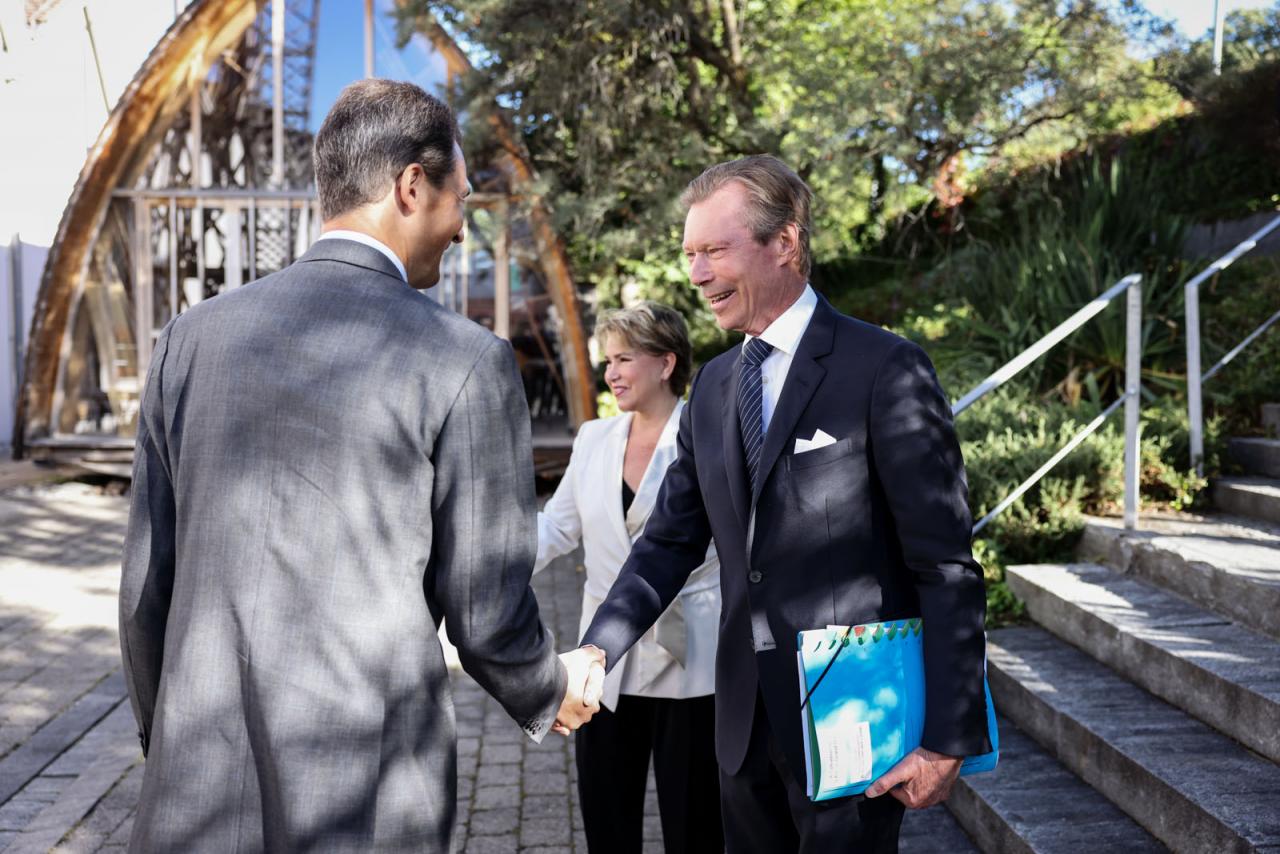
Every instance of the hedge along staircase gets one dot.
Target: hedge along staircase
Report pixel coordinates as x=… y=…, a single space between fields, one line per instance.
x=1142 y=711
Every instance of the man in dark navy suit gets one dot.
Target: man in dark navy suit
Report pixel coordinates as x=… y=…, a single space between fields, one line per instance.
x=821 y=457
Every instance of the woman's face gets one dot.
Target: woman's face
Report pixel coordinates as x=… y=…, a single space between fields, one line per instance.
x=637 y=379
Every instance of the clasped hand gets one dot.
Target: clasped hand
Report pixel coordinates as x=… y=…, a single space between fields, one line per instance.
x=921 y=779
x=586 y=683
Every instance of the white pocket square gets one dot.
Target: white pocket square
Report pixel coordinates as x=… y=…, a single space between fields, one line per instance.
x=819 y=440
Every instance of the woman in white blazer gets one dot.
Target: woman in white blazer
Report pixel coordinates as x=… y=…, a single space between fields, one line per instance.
x=659 y=699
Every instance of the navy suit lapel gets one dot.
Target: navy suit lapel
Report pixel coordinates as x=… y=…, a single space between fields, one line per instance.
x=802 y=380
x=734 y=464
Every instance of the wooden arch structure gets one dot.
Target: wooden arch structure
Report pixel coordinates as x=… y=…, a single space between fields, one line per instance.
x=202 y=36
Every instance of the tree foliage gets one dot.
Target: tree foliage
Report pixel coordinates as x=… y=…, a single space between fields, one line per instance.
x=878 y=104
x=1250 y=38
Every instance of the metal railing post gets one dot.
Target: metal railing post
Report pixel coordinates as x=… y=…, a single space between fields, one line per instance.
x=1132 y=404
x=1195 y=407
x=1195 y=378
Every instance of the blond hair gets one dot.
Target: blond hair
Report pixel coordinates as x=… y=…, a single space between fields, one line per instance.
x=655 y=329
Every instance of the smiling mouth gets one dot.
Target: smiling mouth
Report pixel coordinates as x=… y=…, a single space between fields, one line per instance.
x=719 y=298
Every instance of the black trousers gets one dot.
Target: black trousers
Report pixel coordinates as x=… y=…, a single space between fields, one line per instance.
x=613 y=767
x=767 y=812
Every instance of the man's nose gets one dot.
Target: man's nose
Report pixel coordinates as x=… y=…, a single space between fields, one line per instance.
x=700 y=270
x=457 y=238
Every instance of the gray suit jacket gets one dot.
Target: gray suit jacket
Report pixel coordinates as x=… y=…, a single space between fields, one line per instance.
x=327 y=464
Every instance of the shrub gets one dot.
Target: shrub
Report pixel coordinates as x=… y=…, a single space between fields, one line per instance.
x=1009 y=435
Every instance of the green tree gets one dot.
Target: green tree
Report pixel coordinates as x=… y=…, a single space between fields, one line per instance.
x=881 y=105
x=1250 y=38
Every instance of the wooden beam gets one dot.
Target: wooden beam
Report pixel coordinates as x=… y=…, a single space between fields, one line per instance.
x=156 y=93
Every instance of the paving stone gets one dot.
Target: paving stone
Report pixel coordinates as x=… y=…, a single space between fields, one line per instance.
x=545 y=806
x=537 y=761
x=490 y=822
x=505 y=844
x=507 y=733
x=17 y=813
x=497 y=797
x=497 y=775
x=47 y=784
x=78 y=799
x=544 y=831
x=32 y=757
x=546 y=783
x=467 y=765
x=498 y=754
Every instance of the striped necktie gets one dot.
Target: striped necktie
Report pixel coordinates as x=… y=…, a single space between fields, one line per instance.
x=751 y=404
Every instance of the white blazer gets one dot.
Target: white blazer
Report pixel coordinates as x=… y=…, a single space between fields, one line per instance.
x=676 y=658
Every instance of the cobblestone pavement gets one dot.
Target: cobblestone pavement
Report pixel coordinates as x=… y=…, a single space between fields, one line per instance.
x=70 y=770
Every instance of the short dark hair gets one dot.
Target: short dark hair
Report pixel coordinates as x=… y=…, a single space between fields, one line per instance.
x=776 y=196
x=655 y=329
x=375 y=129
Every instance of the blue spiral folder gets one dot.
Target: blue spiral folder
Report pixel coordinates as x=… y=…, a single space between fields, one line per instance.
x=864 y=688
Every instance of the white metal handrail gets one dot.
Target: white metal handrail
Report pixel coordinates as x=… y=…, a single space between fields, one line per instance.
x=1016 y=365
x=1195 y=379
x=1131 y=398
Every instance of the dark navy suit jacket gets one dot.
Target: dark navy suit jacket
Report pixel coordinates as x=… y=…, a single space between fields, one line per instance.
x=873 y=527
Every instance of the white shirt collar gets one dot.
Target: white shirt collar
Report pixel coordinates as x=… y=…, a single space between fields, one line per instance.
x=373 y=242
x=786 y=331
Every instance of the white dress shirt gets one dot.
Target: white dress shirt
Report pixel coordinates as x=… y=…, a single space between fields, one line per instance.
x=784 y=334
x=676 y=657
x=375 y=243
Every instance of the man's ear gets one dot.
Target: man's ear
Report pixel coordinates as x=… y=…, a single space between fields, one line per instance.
x=410 y=188
x=788 y=241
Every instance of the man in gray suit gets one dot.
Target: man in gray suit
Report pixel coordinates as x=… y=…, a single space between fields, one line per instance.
x=328 y=463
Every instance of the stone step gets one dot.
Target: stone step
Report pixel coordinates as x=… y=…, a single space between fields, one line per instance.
x=1259 y=457
x=1222 y=673
x=1031 y=803
x=1192 y=788
x=933 y=831
x=1229 y=565
x=1257 y=497
x=1271 y=419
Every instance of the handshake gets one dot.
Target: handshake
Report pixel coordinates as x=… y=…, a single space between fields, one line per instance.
x=586 y=683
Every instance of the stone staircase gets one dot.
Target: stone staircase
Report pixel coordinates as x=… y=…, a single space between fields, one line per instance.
x=1141 y=712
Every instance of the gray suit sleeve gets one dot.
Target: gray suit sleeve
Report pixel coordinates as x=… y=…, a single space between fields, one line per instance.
x=485 y=542
x=146 y=583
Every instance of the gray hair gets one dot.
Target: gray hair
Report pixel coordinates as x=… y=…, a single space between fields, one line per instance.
x=776 y=196
x=375 y=129
x=655 y=329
